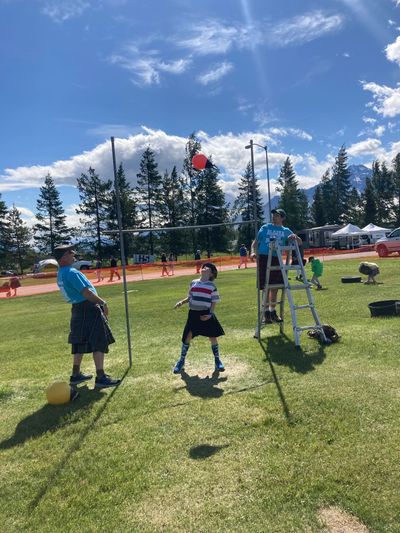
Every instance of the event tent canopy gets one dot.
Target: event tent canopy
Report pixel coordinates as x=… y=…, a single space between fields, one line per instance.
x=347 y=231
x=372 y=228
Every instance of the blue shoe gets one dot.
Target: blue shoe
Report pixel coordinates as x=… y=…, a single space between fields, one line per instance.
x=106 y=381
x=219 y=365
x=79 y=378
x=179 y=366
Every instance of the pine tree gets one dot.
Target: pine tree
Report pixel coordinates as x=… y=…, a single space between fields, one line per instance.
x=384 y=190
x=51 y=228
x=318 y=214
x=174 y=211
x=355 y=213
x=291 y=199
x=304 y=210
x=95 y=196
x=328 y=198
x=149 y=192
x=18 y=237
x=211 y=209
x=129 y=214
x=396 y=188
x=341 y=187
x=369 y=203
x=244 y=207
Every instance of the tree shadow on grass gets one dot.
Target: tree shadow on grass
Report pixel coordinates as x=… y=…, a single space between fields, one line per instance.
x=203 y=451
x=283 y=351
x=52 y=417
x=204 y=387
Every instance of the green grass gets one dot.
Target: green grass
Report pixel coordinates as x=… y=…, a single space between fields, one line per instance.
x=261 y=448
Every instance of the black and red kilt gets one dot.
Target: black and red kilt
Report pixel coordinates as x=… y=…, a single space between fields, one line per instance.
x=89 y=329
x=205 y=328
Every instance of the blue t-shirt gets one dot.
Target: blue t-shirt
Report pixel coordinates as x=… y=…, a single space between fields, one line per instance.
x=71 y=283
x=268 y=232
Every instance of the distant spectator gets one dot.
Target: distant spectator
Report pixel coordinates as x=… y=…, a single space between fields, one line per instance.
x=243 y=256
x=14 y=284
x=99 y=273
x=164 y=271
x=197 y=257
x=113 y=269
x=171 y=260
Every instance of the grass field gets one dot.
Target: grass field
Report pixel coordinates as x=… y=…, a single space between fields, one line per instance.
x=259 y=448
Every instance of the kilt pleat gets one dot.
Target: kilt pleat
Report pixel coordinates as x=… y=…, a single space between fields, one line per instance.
x=89 y=329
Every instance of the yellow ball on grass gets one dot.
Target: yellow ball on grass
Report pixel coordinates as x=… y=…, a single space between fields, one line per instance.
x=58 y=393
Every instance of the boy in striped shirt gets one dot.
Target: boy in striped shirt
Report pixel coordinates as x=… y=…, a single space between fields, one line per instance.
x=202 y=298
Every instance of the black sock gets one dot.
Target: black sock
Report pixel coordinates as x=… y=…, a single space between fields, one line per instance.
x=100 y=373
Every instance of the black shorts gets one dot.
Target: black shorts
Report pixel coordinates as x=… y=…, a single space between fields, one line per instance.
x=275 y=276
x=205 y=328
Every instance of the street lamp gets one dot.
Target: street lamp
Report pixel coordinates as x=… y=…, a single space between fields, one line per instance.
x=265 y=148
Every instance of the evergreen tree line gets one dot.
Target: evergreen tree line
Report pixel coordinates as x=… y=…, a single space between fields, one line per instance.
x=187 y=198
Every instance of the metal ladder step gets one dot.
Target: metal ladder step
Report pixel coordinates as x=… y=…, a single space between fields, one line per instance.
x=306 y=306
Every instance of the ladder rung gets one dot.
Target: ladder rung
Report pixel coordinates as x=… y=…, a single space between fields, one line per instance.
x=286 y=248
x=298 y=287
x=275 y=286
x=292 y=267
x=307 y=306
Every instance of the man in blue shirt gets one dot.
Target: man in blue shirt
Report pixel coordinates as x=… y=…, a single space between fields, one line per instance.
x=260 y=248
x=89 y=329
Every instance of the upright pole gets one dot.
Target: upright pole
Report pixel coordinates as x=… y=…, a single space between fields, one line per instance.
x=255 y=230
x=122 y=244
x=269 y=190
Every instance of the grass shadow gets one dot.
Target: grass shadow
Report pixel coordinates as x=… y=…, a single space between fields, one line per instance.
x=283 y=351
x=204 y=387
x=51 y=418
x=203 y=451
x=75 y=446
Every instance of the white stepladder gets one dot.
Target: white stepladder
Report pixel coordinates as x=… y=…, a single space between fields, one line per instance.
x=287 y=288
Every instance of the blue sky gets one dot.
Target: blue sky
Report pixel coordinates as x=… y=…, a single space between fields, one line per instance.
x=304 y=77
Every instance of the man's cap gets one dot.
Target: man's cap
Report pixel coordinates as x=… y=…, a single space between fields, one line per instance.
x=279 y=212
x=61 y=249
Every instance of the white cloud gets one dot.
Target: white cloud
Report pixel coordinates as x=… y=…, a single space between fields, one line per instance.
x=215 y=74
x=379 y=131
x=25 y=212
x=147 y=66
x=387 y=100
x=393 y=51
x=346 y=55
x=369 y=120
x=367 y=147
x=63 y=10
x=304 y=28
x=391 y=22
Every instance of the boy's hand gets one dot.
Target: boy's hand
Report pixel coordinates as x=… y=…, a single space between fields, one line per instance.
x=178 y=304
x=205 y=317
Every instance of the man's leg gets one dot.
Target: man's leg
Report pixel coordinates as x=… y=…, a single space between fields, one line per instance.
x=77 y=376
x=272 y=306
x=102 y=379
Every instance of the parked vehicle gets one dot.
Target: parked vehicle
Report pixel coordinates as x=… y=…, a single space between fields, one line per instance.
x=7 y=273
x=389 y=245
x=82 y=265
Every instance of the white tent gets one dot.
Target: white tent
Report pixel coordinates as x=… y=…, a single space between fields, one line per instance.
x=350 y=234
x=375 y=232
x=45 y=263
x=348 y=230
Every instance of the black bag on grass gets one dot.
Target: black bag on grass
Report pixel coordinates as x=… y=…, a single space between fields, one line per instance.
x=330 y=333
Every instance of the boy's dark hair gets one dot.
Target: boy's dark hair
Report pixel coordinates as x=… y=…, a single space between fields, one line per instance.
x=213 y=269
x=311 y=258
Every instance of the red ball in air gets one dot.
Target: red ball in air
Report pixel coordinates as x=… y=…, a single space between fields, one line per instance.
x=200 y=162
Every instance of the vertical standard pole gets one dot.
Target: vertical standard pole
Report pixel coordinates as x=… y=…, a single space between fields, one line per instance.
x=269 y=190
x=122 y=244
x=255 y=232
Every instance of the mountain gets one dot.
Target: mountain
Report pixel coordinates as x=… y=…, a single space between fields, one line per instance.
x=358 y=175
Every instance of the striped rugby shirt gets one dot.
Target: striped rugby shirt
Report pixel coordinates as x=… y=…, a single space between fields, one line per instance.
x=202 y=294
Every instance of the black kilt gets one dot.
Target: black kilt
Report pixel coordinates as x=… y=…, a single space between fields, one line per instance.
x=89 y=329
x=205 y=328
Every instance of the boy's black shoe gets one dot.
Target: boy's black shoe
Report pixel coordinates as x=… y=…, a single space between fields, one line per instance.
x=79 y=378
x=267 y=317
x=106 y=381
x=275 y=317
